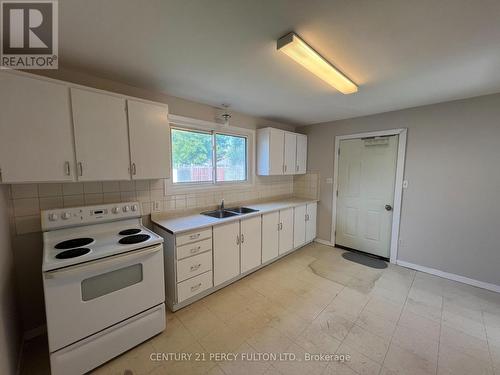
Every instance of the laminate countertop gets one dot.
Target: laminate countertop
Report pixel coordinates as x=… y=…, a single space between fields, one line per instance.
x=179 y=224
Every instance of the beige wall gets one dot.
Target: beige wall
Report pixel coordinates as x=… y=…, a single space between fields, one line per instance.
x=29 y=199
x=451 y=210
x=9 y=325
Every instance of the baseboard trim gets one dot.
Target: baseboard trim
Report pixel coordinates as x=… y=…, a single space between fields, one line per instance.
x=450 y=276
x=324 y=242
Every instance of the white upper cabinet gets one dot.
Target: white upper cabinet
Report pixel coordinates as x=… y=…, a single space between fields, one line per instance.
x=301 y=160
x=101 y=136
x=290 y=154
x=36 y=141
x=270 y=151
x=280 y=152
x=149 y=140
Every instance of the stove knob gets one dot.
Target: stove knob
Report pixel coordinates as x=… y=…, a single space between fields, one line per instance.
x=135 y=207
x=66 y=215
x=53 y=217
x=126 y=208
x=115 y=210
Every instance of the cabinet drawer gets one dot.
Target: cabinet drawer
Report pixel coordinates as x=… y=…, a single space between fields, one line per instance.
x=193 y=286
x=194 y=248
x=193 y=266
x=193 y=236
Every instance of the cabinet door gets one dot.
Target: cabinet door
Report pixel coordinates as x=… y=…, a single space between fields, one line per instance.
x=36 y=141
x=226 y=252
x=101 y=136
x=311 y=221
x=270 y=236
x=276 y=151
x=290 y=153
x=149 y=140
x=286 y=231
x=301 y=161
x=251 y=244
x=299 y=226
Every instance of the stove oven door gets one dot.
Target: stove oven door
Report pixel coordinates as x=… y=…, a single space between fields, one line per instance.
x=86 y=298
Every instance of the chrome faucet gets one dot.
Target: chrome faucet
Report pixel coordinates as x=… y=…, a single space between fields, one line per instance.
x=221 y=205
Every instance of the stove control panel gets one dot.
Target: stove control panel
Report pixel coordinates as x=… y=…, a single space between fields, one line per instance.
x=69 y=217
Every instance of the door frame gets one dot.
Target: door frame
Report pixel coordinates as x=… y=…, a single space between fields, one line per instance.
x=398 y=186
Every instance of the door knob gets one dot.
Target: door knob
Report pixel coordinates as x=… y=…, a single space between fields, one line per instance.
x=388 y=207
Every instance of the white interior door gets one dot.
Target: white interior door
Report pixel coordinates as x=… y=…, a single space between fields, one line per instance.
x=101 y=136
x=226 y=252
x=270 y=236
x=149 y=140
x=251 y=244
x=290 y=153
x=366 y=178
x=36 y=137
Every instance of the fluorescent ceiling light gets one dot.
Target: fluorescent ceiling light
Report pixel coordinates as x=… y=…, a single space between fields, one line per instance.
x=293 y=46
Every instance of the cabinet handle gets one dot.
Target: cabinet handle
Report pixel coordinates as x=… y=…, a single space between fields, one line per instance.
x=285 y=168
x=195 y=249
x=195 y=267
x=80 y=168
x=297 y=168
x=242 y=238
x=67 y=168
x=195 y=287
x=194 y=236
x=134 y=170
x=307 y=217
x=237 y=240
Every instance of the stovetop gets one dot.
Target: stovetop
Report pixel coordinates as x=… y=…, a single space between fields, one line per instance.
x=70 y=245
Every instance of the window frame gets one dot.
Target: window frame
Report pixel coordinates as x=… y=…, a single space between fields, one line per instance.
x=190 y=124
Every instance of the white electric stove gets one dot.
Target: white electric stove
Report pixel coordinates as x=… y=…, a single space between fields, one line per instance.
x=103 y=281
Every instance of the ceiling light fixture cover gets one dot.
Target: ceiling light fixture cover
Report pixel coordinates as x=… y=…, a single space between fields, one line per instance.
x=294 y=47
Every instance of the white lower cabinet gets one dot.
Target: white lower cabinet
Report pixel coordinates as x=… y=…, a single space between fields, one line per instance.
x=200 y=261
x=270 y=236
x=226 y=252
x=250 y=243
x=286 y=231
x=311 y=211
x=299 y=224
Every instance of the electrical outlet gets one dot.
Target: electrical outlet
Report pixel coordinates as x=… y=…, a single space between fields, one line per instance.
x=156 y=206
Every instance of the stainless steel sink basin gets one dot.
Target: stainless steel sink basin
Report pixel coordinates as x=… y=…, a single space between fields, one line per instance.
x=242 y=210
x=219 y=214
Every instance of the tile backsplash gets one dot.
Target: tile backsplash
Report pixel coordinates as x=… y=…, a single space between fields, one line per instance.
x=306 y=185
x=29 y=199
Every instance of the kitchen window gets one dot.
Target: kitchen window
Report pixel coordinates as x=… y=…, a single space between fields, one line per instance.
x=208 y=157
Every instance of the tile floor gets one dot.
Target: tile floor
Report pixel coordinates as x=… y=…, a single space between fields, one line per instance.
x=391 y=321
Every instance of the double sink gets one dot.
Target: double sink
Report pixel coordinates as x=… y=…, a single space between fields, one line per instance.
x=228 y=212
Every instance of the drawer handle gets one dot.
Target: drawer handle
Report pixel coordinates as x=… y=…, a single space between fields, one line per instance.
x=195 y=267
x=67 y=168
x=194 y=236
x=194 y=250
x=195 y=287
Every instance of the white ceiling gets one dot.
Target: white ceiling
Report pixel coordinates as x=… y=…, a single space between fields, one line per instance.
x=402 y=53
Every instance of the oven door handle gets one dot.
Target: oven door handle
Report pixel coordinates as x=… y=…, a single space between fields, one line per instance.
x=102 y=262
